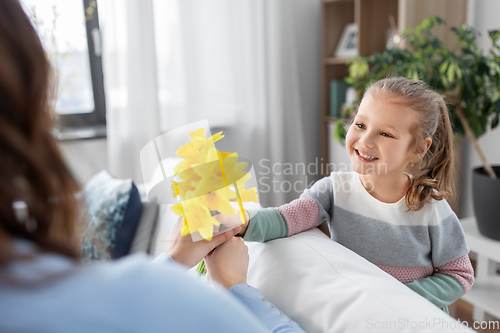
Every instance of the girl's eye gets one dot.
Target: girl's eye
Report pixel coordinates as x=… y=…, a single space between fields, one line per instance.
x=386 y=135
x=360 y=126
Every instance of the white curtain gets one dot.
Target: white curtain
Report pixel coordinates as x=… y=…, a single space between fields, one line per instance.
x=251 y=67
x=130 y=78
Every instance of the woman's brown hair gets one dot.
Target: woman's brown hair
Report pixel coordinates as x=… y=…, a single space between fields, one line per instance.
x=432 y=175
x=32 y=169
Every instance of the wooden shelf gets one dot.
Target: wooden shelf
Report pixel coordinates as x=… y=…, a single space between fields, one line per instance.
x=333 y=1
x=371 y=19
x=336 y=61
x=329 y=119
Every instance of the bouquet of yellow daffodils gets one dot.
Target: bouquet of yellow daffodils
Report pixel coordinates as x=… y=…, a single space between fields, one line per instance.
x=207 y=182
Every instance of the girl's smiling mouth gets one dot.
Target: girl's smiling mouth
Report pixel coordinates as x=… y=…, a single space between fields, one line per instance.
x=365 y=157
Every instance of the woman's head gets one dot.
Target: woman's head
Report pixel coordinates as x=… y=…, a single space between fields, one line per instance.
x=421 y=134
x=32 y=169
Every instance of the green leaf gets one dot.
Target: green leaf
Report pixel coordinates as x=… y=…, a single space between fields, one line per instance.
x=450 y=75
x=339 y=132
x=494 y=35
x=415 y=76
x=494 y=122
x=443 y=67
x=495 y=66
x=200 y=269
x=458 y=71
x=495 y=97
x=440 y=20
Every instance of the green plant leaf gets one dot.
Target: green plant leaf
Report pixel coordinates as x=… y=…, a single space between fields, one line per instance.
x=200 y=269
x=450 y=74
x=339 y=131
x=494 y=122
x=494 y=35
x=495 y=97
x=443 y=67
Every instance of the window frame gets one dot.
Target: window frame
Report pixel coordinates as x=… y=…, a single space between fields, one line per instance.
x=93 y=124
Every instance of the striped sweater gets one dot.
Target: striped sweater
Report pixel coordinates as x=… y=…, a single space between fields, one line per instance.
x=424 y=249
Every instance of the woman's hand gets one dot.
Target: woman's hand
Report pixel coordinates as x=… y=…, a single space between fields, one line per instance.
x=234 y=219
x=184 y=251
x=228 y=263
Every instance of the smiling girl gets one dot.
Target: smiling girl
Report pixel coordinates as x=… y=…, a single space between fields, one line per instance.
x=391 y=208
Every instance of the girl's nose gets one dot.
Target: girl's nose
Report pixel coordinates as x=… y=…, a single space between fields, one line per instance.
x=367 y=140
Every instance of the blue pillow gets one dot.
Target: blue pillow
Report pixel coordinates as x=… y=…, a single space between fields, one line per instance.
x=113 y=208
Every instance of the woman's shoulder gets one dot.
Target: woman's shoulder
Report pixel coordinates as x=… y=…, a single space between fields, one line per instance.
x=161 y=284
x=128 y=294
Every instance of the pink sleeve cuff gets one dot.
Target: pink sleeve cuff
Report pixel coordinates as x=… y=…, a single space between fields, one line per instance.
x=300 y=215
x=460 y=269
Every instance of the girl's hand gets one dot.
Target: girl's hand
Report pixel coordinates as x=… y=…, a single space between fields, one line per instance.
x=234 y=219
x=228 y=263
x=184 y=251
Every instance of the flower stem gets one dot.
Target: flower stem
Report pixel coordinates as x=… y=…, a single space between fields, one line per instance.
x=200 y=269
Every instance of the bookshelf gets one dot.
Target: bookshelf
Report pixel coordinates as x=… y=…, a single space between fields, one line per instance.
x=371 y=19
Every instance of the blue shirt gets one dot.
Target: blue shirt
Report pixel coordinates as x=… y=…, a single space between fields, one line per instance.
x=51 y=293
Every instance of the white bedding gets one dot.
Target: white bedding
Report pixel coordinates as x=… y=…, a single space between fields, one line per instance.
x=327 y=288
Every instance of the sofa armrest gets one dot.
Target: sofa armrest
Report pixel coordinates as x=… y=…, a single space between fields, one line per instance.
x=147 y=224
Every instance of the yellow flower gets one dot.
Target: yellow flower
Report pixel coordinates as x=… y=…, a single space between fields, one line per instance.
x=208 y=177
x=185 y=189
x=200 y=132
x=211 y=177
x=177 y=208
x=194 y=157
x=216 y=137
x=231 y=168
x=175 y=189
x=197 y=218
x=248 y=194
x=219 y=200
x=187 y=152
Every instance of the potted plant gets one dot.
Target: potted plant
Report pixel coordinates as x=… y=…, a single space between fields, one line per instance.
x=470 y=80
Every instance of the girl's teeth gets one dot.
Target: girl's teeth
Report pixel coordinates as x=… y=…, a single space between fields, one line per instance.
x=366 y=156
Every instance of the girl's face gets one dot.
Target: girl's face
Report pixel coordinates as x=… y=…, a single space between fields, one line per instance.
x=378 y=141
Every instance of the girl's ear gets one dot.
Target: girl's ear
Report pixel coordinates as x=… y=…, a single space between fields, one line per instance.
x=420 y=150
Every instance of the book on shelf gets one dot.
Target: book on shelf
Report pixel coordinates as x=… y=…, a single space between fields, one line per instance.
x=338 y=89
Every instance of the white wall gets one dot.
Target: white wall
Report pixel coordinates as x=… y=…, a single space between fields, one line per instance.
x=482 y=15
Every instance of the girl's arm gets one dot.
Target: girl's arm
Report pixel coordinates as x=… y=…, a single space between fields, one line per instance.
x=453 y=274
x=449 y=282
x=313 y=207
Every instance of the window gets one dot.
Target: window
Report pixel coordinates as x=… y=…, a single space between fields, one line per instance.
x=69 y=30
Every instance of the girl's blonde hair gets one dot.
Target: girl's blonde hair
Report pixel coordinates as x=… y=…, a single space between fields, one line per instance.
x=432 y=177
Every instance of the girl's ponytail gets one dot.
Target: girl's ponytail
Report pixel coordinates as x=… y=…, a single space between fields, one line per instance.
x=433 y=177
